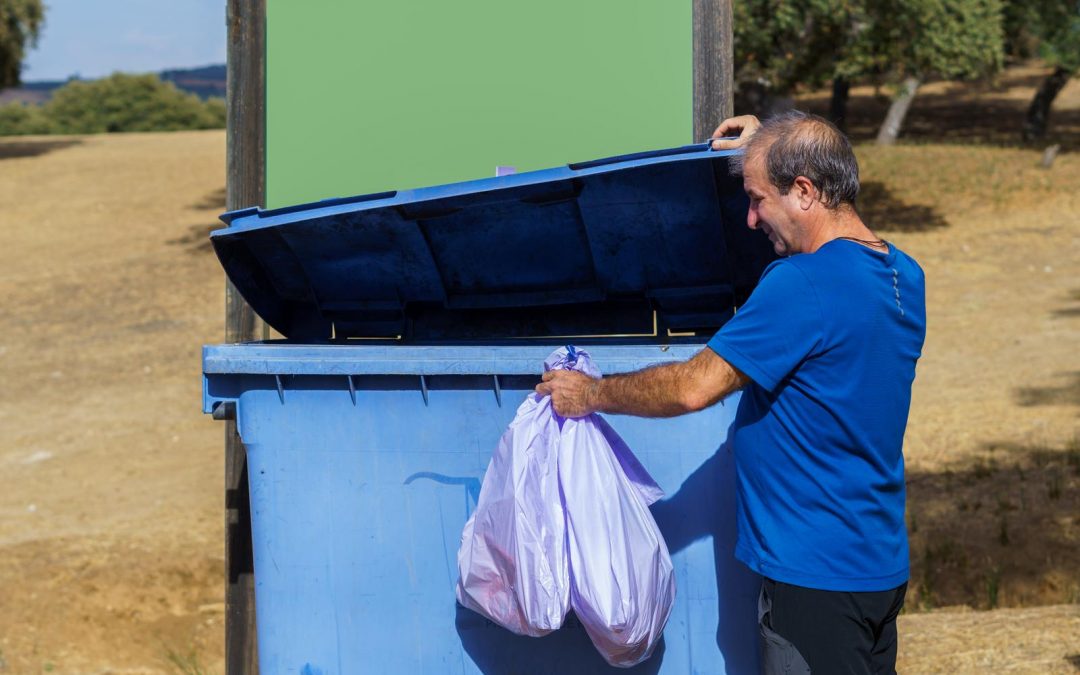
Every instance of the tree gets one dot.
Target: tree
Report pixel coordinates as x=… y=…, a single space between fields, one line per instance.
x=123 y=102
x=904 y=42
x=18 y=119
x=781 y=43
x=20 y=24
x=1055 y=26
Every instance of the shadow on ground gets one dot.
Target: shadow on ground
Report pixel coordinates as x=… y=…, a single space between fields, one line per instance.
x=196 y=239
x=1002 y=529
x=969 y=116
x=884 y=212
x=999 y=531
x=1067 y=394
x=1074 y=310
x=34 y=148
x=213 y=200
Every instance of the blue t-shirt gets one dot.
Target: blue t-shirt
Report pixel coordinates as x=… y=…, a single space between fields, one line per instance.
x=830 y=340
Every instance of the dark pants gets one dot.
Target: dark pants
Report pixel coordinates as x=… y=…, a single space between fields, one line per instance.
x=806 y=630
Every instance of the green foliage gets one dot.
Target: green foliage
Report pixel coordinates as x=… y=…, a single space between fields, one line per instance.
x=17 y=119
x=1018 y=18
x=781 y=43
x=20 y=24
x=215 y=108
x=117 y=103
x=953 y=39
x=129 y=103
x=1050 y=28
x=1060 y=33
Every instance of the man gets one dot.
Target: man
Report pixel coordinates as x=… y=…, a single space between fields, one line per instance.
x=824 y=351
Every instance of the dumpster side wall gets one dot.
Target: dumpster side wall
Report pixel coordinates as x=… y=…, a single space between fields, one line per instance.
x=357 y=515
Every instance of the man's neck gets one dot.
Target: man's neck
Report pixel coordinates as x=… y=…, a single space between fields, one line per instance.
x=839 y=223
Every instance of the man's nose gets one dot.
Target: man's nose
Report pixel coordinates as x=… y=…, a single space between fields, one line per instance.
x=752 y=218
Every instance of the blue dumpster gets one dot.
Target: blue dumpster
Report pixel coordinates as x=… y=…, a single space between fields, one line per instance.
x=415 y=322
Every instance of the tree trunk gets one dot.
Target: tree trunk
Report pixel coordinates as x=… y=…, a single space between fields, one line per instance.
x=838 y=103
x=1039 y=111
x=894 y=120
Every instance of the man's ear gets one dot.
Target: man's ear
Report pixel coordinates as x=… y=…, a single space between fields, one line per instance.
x=805 y=192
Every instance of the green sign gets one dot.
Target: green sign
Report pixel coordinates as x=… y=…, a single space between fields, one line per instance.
x=371 y=96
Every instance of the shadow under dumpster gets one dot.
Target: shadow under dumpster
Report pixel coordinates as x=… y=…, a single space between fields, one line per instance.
x=567 y=651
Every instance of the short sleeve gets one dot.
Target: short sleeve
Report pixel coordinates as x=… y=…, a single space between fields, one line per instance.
x=779 y=326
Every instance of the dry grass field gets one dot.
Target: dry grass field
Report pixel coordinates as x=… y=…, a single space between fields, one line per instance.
x=111 y=508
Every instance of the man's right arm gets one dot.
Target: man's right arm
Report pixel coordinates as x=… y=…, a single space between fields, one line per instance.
x=670 y=389
x=660 y=391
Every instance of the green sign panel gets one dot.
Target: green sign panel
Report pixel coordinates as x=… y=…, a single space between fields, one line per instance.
x=371 y=96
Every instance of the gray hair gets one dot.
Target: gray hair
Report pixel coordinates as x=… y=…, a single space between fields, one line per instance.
x=797 y=144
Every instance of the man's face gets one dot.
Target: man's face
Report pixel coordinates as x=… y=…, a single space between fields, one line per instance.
x=771 y=212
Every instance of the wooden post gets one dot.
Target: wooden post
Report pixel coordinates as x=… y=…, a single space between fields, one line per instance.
x=245 y=185
x=714 y=66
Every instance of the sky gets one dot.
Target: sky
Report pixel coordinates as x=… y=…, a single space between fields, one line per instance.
x=94 y=38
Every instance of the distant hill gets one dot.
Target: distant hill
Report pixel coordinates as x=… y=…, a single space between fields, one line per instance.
x=30 y=92
x=204 y=82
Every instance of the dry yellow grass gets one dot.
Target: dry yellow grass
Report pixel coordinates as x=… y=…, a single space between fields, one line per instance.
x=1039 y=641
x=111 y=515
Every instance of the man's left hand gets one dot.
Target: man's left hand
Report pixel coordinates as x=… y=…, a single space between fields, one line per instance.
x=743 y=125
x=573 y=394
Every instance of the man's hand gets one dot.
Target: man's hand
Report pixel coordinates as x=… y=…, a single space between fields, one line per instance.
x=573 y=394
x=743 y=125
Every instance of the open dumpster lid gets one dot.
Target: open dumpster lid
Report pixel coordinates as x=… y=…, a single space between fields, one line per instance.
x=650 y=244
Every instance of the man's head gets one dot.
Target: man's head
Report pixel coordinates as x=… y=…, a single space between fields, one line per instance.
x=799 y=171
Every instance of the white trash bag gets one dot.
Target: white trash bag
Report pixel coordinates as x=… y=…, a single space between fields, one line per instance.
x=512 y=564
x=563 y=522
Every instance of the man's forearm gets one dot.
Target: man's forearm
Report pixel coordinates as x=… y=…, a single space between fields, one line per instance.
x=652 y=392
x=667 y=390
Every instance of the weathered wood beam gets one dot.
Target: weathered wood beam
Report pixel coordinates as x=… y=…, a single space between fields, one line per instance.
x=245 y=101
x=714 y=67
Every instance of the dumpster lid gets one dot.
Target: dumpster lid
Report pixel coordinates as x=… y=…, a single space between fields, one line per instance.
x=650 y=244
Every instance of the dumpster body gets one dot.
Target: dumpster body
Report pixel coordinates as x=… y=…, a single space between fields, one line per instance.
x=416 y=323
